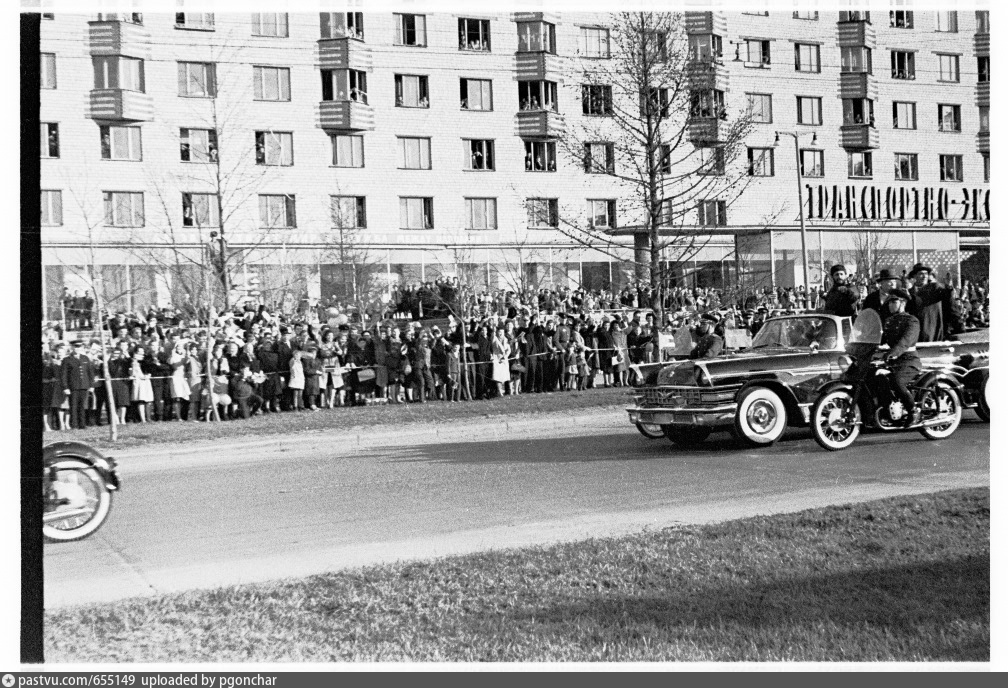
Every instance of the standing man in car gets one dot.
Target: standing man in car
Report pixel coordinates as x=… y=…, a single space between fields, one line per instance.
x=886 y=281
x=841 y=299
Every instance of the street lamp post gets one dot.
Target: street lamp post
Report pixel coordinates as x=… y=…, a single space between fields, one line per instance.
x=801 y=213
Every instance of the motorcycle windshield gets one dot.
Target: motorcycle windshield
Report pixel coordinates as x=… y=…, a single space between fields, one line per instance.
x=867 y=328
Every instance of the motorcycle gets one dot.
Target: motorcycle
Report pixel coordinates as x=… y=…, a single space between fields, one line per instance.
x=865 y=396
x=77 y=486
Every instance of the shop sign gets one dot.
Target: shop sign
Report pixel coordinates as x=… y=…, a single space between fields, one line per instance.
x=897 y=203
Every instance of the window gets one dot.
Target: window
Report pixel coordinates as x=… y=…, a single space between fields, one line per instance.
x=712 y=213
x=848 y=16
x=48 y=15
x=761 y=162
x=903 y=64
x=948 y=22
x=948 y=68
x=596 y=100
x=900 y=19
x=543 y=212
x=602 y=213
x=474 y=34
x=983 y=70
x=593 y=42
x=52 y=208
x=707 y=104
x=120 y=143
x=271 y=83
x=950 y=168
x=411 y=29
x=481 y=213
x=859 y=111
x=200 y=210
x=856 y=60
x=757 y=53
x=983 y=21
x=756 y=14
x=113 y=71
x=348 y=212
x=347 y=150
x=49 y=140
x=904 y=115
x=123 y=209
x=600 y=158
x=47 y=73
x=414 y=154
x=348 y=84
x=274 y=148
x=985 y=118
x=416 y=213
x=476 y=94
x=197 y=79
x=277 y=210
x=536 y=37
x=948 y=118
x=986 y=166
x=811 y=163
x=658 y=99
x=411 y=91
x=537 y=95
x=269 y=24
x=813 y=16
x=540 y=156
x=656 y=45
x=128 y=17
x=760 y=107
x=712 y=160
x=203 y=21
x=859 y=165
x=198 y=145
x=479 y=154
x=342 y=24
x=665 y=158
x=906 y=167
x=705 y=47
x=806 y=57
x=809 y=110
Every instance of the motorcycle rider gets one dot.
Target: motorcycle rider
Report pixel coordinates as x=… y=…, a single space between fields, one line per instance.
x=900 y=333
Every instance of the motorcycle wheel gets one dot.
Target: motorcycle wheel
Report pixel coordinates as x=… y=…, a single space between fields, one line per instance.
x=829 y=428
x=650 y=430
x=941 y=399
x=91 y=502
x=982 y=409
x=687 y=437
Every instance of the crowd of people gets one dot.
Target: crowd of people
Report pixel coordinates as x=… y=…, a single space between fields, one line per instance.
x=432 y=341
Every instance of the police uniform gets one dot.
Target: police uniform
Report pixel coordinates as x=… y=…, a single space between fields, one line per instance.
x=900 y=333
x=709 y=346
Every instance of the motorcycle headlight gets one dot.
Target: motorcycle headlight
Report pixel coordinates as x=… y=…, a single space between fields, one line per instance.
x=844 y=362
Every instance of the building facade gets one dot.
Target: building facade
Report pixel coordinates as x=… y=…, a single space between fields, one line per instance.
x=428 y=144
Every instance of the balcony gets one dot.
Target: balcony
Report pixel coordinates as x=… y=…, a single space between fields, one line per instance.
x=706 y=22
x=855 y=34
x=858 y=85
x=707 y=73
x=538 y=66
x=345 y=53
x=345 y=114
x=551 y=17
x=116 y=104
x=859 y=136
x=540 y=124
x=983 y=94
x=706 y=130
x=981 y=44
x=983 y=142
x=118 y=38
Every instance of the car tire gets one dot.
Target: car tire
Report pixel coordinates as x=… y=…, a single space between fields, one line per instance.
x=686 y=436
x=650 y=430
x=982 y=409
x=761 y=418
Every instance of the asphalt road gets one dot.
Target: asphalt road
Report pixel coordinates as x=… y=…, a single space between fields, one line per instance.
x=202 y=516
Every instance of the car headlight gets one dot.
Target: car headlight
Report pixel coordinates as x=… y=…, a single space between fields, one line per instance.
x=701 y=377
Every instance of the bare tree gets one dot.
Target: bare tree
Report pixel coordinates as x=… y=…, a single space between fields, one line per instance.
x=358 y=269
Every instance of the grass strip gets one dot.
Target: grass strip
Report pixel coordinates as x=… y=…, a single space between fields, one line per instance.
x=901 y=579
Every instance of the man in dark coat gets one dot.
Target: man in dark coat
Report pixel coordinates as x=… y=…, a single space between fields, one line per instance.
x=842 y=298
x=243 y=393
x=77 y=375
x=886 y=281
x=900 y=334
x=536 y=361
x=930 y=302
x=709 y=345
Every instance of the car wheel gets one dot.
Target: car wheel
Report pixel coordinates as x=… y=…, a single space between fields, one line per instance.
x=650 y=430
x=761 y=417
x=982 y=409
x=686 y=436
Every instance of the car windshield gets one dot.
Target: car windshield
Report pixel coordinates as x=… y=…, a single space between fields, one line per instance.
x=796 y=333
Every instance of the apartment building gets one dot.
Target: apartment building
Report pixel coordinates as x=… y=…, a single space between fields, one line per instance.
x=430 y=142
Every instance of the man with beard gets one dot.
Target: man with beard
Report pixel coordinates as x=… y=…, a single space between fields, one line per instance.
x=842 y=298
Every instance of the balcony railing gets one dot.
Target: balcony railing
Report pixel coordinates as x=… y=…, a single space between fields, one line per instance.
x=540 y=124
x=858 y=85
x=859 y=136
x=118 y=38
x=345 y=114
x=345 y=53
x=539 y=66
x=116 y=104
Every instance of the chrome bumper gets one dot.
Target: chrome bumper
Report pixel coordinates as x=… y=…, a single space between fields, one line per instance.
x=708 y=416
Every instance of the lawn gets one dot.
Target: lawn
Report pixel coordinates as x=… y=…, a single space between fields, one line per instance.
x=523 y=405
x=902 y=579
